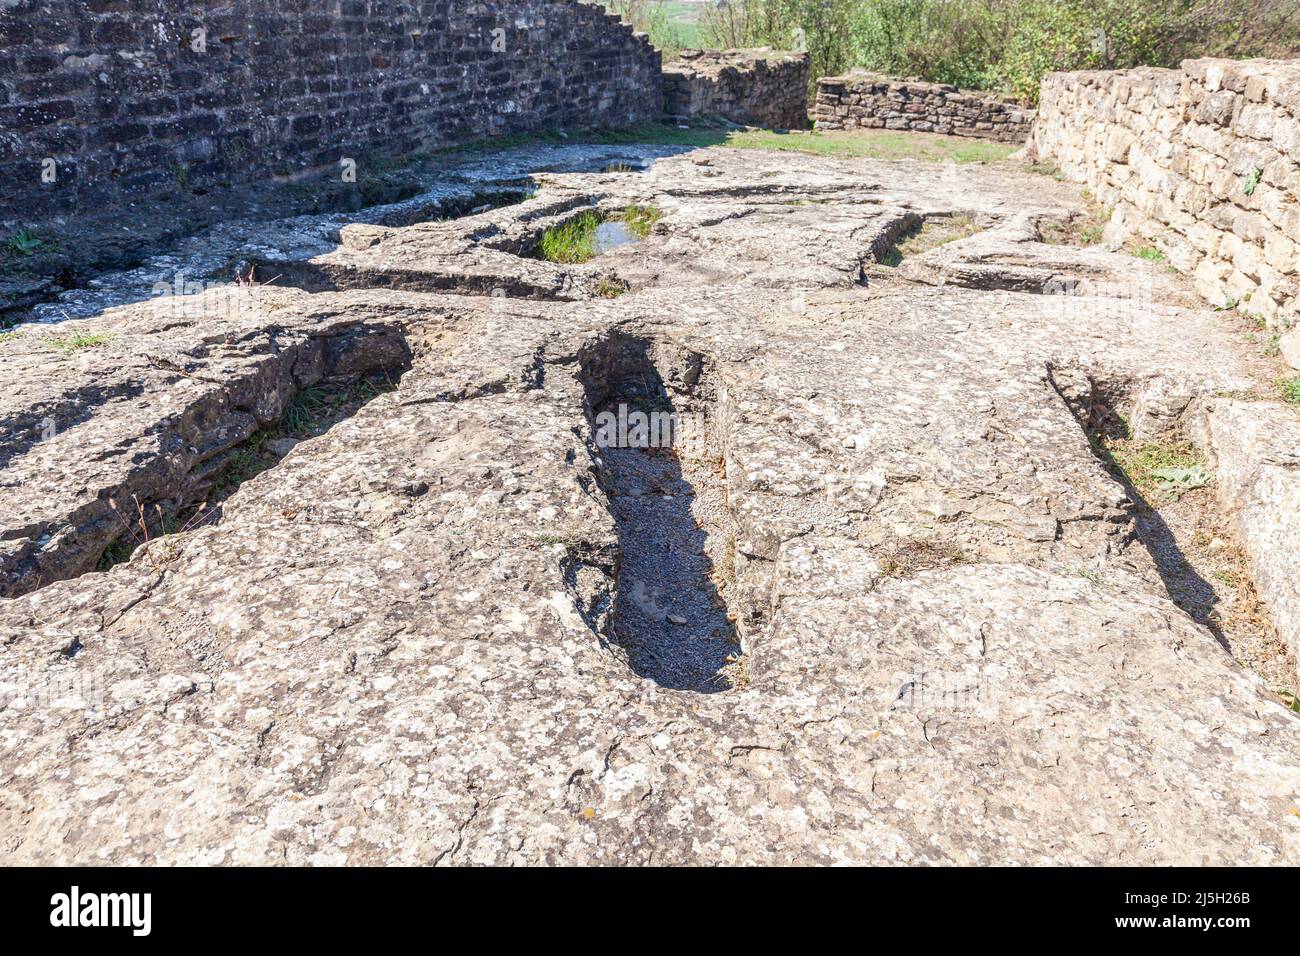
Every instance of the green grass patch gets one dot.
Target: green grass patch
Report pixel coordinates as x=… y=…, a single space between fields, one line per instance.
x=1091 y=234
x=1083 y=229
x=307 y=408
x=243 y=465
x=610 y=288
x=1290 y=390
x=570 y=242
x=1149 y=253
x=1153 y=467
x=843 y=144
x=683 y=20
x=640 y=219
x=71 y=343
x=315 y=408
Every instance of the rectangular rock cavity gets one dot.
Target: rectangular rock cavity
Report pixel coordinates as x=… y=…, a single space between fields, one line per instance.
x=649 y=410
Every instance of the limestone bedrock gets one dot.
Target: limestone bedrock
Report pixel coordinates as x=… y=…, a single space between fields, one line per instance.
x=426 y=635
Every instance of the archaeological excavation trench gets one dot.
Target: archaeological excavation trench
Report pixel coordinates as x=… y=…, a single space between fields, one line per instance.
x=659 y=467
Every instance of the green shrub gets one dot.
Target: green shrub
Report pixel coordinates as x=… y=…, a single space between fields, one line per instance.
x=1005 y=45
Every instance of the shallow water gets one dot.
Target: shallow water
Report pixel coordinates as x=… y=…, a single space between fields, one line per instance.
x=612 y=234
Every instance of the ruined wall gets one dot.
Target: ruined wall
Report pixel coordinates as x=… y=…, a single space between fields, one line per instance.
x=1203 y=160
x=131 y=97
x=755 y=87
x=869 y=100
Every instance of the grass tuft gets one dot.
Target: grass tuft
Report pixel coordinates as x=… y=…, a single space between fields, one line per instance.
x=641 y=219
x=610 y=288
x=70 y=343
x=1155 y=466
x=1290 y=390
x=571 y=242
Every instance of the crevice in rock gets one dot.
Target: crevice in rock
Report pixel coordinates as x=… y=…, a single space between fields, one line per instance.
x=883 y=256
x=449 y=208
x=327 y=275
x=649 y=406
x=309 y=414
x=318 y=277
x=1178 y=519
x=206 y=450
x=103 y=248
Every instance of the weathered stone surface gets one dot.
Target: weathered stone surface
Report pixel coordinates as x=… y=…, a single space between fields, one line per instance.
x=409 y=641
x=759 y=87
x=1289 y=345
x=1192 y=166
x=1256 y=448
x=183 y=383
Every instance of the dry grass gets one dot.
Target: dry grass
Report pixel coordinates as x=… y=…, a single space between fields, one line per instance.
x=1083 y=229
x=904 y=558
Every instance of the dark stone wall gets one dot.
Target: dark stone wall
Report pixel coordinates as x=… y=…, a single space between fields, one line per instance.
x=129 y=101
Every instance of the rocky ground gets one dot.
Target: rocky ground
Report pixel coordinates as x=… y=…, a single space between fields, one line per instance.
x=332 y=566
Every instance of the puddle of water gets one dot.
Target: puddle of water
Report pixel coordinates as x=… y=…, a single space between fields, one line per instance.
x=610 y=235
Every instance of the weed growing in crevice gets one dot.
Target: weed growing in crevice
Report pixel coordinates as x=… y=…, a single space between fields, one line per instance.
x=1081 y=229
x=904 y=558
x=640 y=219
x=1157 y=468
x=608 y=287
x=27 y=243
x=160 y=525
x=571 y=242
x=1289 y=389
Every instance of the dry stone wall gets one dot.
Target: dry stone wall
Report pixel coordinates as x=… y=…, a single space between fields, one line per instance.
x=1203 y=160
x=759 y=87
x=873 y=101
x=103 y=102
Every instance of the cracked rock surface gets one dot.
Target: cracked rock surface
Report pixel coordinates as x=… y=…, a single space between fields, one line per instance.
x=457 y=628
